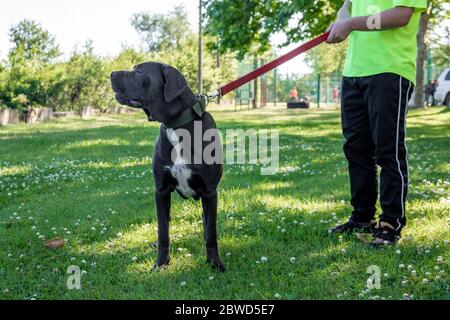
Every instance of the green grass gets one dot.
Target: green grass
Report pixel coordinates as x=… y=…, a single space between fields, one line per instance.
x=90 y=183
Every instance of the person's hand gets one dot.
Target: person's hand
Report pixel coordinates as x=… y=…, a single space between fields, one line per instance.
x=340 y=31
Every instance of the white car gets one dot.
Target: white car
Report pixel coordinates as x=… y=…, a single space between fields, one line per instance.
x=442 y=95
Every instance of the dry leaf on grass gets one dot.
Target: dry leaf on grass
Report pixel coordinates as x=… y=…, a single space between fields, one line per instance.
x=55 y=243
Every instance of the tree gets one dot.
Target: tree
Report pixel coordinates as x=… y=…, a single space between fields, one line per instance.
x=160 y=32
x=243 y=25
x=31 y=42
x=438 y=11
x=82 y=81
x=328 y=59
x=27 y=77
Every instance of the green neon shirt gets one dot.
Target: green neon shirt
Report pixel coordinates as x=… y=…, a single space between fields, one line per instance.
x=393 y=50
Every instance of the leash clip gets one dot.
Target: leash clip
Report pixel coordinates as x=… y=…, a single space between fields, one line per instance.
x=212 y=97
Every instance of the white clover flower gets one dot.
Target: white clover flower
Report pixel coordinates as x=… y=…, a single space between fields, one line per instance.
x=293 y=259
x=440 y=259
x=183 y=283
x=264 y=259
x=134 y=259
x=211 y=278
x=343 y=251
x=425 y=281
x=398 y=252
x=277 y=296
x=401 y=266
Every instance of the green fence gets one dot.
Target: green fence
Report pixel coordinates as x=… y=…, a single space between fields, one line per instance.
x=273 y=88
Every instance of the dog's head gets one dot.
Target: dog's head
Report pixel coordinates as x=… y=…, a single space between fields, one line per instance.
x=159 y=89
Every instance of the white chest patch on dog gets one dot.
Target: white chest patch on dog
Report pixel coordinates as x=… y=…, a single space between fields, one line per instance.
x=179 y=170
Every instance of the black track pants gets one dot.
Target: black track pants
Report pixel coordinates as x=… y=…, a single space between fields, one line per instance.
x=373 y=120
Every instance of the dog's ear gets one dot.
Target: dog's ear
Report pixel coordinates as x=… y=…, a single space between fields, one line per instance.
x=175 y=83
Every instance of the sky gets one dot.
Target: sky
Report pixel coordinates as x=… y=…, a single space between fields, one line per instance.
x=106 y=22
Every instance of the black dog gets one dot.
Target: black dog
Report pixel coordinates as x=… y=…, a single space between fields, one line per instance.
x=163 y=93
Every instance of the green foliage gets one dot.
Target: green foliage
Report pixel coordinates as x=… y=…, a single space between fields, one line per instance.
x=439 y=37
x=243 y=25
x=26 y=85
x=26 y=80
x=81 y=81
x=31 y=42
x=328 y=59
x=162 y=32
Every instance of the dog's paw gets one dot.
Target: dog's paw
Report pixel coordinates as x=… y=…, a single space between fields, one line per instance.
x=160 y=264
x=216 y=264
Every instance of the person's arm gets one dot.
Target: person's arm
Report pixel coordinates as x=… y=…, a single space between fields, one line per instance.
x=393 y=18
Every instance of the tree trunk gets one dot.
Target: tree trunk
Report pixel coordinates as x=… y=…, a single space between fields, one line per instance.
x=255 y=85
x=421 y=55
x=200 y=50
x=275 y=87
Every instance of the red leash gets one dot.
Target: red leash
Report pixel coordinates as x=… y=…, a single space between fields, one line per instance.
x=272 y=65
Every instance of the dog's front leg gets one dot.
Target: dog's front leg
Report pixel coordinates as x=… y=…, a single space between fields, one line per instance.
x=210 y=226
x=163 y=212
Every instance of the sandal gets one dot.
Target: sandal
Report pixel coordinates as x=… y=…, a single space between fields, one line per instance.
x=351 y=225
x=385 y=235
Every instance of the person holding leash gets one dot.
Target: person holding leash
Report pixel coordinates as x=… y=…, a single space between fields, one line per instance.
x=378 y=80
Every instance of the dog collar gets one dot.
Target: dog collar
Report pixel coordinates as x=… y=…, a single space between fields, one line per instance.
x=190 y=114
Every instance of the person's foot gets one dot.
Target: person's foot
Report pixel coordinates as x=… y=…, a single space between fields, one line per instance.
x=351 y=226
x=385 y=235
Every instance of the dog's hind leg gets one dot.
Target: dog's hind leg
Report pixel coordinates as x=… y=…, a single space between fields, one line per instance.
x=210 y=225
x=163 y=201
